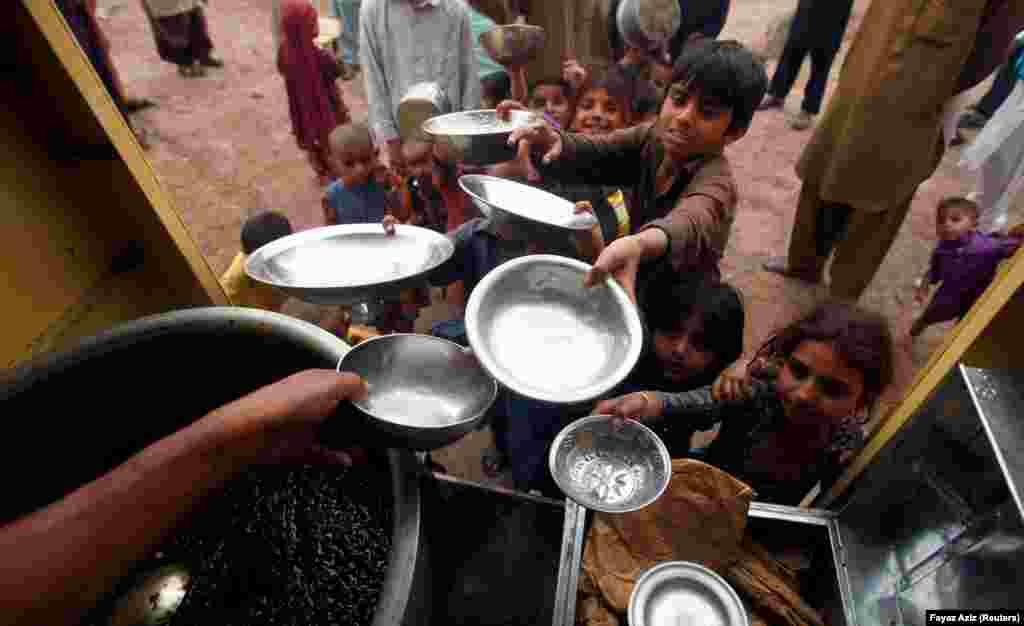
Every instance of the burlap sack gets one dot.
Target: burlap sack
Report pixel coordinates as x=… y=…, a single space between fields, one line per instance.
x=701 y=518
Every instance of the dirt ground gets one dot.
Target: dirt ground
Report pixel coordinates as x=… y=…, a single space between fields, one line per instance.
x=222 y=146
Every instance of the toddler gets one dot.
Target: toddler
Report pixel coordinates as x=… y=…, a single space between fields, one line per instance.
x=357 y=195
x=257 y=231
x=315 y=104
x=964 y=263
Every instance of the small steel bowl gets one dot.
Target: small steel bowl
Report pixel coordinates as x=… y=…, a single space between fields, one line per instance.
x=423 y=390
x=542 y=334
x=513 y=44
x=479 y=137
x=609 y=469
x=681 y=592
x=507 y=201
x=349 y=263
x=648 y=24
x=420 y=103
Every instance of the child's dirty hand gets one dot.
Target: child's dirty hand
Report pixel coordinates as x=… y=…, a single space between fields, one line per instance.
x=920 y=292
x=389 y=222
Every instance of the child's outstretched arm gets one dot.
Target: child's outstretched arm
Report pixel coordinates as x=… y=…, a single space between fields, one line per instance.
x=589 y=243
x=520 y=90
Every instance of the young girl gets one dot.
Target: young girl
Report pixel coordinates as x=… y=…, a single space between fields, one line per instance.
x=964 y=262
x=786 y=436
x=315 y=104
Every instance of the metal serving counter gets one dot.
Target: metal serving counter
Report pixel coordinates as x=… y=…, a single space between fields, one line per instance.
x=935 y=522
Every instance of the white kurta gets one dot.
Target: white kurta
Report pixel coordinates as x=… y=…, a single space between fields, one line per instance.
x=400 y=46
x=997 y=154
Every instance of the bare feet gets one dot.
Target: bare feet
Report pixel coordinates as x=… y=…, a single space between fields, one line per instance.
x=778 y=265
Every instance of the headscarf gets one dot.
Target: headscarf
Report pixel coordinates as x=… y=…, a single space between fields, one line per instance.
x=313 y=117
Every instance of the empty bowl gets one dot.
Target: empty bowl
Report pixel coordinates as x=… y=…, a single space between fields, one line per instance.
x=479 y=137
x=681 y=592
x=542 y=334
x=425 y=391
x=609 y=469
x=506 y=200
x=349 y=263
x=513 y=44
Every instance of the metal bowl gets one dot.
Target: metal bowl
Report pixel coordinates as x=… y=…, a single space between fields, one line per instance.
x=681 y=592
x=537 y=330
x=424 y=390
x=513 y=44
x=479 y=137
x=609 y=469
x=505 y=200
x=648 y=24
x=420 y=103
x=349 y=263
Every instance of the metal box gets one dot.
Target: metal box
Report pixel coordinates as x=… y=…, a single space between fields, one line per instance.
x=935 y=522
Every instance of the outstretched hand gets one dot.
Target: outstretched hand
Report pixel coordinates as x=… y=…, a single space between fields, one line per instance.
x=389 y=223
x=620 y=260
x=541 y=136
x=634 y=406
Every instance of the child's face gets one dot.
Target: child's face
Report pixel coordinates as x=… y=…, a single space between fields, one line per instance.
x=682 y=353
x=690 y=124
x=353 y=165
x=954 y=223
x=552 y=100
x=598 y=113
x=816 y=385
x=419 y=161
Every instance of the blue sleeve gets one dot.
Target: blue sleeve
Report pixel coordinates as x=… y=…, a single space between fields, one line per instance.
x=334 y=197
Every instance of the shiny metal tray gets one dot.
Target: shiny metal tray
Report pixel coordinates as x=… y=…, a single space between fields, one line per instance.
x=349 y=263
x=504 y=200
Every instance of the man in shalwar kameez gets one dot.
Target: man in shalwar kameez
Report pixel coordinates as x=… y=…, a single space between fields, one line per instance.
x=881 y=135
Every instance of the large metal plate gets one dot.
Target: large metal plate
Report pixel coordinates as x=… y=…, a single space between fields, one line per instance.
x=478 y=137
x=539 y=332
x=609 y=469
x=497 y=196
x=680 y=592
x=348 y=263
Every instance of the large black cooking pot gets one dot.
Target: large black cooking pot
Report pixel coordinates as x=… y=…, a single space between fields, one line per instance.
x=72 y=416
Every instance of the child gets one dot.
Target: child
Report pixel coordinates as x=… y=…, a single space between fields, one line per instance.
x=257 y=231
x=554 y=98
x=356 y=197
x=694 y=333
x=964 y=262
x=787 y=436
x=315 y=104
x=684 y=194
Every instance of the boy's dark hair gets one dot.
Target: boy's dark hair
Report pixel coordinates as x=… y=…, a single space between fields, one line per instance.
x=645 y=99
x=262 y=228
x=860 y=337
x=719 y=306
x=726 y=71
x=957 y=201
x=497 y=86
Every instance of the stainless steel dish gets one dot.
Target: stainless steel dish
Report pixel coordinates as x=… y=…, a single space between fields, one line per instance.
x=479 y=137
x=540 y=333
x=349 y=263
x=506 y=201
x=513 y=44
x=254 y=348
x=424 y=390
x=681 y=592
x=609 y=469
x=648 y=24
x=420 y=103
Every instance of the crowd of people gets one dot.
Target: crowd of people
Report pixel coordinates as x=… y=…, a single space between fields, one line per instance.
x=640 y=142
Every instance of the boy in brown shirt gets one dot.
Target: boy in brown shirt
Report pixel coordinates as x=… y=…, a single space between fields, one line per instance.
x=684 y=195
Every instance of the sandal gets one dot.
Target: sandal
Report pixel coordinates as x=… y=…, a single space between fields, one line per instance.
x=137 y=104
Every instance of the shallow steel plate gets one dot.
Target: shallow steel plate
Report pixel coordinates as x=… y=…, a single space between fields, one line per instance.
x=496 y=196
x=348 y=263
x=608 y=469
x=680 y=593
x=478 y=137
x=539 y=332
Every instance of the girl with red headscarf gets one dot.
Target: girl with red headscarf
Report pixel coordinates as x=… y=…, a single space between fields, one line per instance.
x=315 y=104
